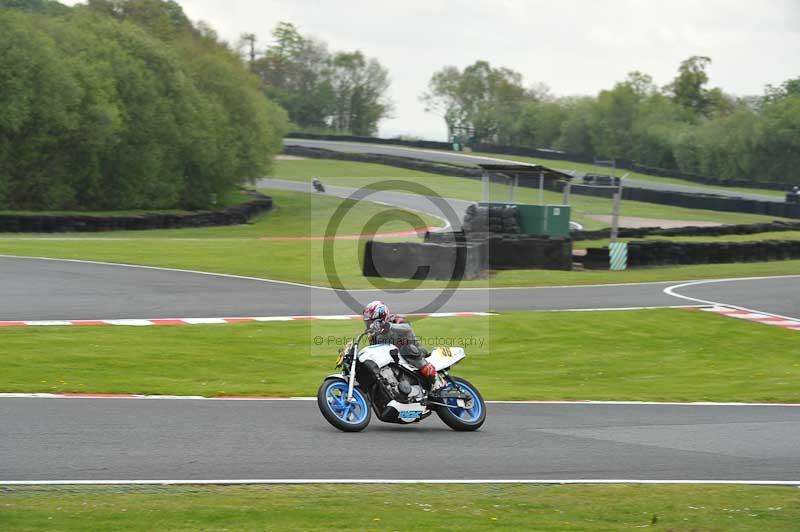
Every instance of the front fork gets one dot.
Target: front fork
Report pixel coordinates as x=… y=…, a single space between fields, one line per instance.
x=351 y=380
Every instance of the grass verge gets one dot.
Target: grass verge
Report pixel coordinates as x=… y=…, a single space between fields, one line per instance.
x=418 y=507
x=653 y=355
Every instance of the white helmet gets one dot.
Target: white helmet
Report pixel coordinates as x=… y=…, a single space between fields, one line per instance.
x=377 y=310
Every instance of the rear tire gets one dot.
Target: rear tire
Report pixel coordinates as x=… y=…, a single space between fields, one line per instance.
x=463 y=419
x=332 y=403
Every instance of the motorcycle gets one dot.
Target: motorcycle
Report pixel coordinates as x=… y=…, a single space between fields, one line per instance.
x=318 y=186
x=378 y=378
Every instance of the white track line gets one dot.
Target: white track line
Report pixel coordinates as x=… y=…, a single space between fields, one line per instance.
x=302 y=285
x=386 y=481
x=160 y=268
x=671 y=291
x=144 y=322
x=608 y=285
x=103 y=397
x=615 y=309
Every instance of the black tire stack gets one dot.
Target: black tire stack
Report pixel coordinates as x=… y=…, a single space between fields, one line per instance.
x=496 y=219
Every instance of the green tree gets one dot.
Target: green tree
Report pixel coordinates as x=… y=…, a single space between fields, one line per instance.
x=480 y=98
x=358 y=85
x=538 y=124
x=49 y=7
x=612 y=120
x=161 y=18
x=778 y=152
x=342 y=91
x=123 y=115
x=688 y=89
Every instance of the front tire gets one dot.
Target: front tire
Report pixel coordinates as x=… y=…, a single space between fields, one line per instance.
x=463 y=419
x=347 y=417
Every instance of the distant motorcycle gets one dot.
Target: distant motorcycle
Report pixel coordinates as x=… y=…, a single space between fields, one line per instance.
x=318 y=186
x=378 y=378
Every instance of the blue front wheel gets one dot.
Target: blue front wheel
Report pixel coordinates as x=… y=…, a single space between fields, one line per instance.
x=347 y=416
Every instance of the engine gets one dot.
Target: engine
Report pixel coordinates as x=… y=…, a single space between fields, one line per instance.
x=400 y=385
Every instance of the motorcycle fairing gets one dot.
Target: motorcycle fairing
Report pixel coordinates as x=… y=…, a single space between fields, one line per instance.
x=384 y=354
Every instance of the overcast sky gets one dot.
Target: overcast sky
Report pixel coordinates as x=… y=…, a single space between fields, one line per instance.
x=573 y=46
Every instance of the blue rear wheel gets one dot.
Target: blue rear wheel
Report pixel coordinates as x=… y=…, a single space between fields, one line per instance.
x=347 y=416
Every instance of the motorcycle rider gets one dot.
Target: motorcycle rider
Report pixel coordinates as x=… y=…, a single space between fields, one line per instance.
x=387 y=328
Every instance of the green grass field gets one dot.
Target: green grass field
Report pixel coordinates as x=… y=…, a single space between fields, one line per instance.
x=659 y=355
x=345 y=173
x=247 y=250
x=413 y=507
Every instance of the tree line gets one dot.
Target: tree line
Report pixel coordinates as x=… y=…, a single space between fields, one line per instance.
x=339 y=91
x=684 y=125
x=125 y=104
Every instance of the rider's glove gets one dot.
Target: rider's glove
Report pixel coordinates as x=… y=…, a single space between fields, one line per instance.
x=378 y=327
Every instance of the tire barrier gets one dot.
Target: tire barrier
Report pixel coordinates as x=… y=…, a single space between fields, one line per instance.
x=600 y=180
x=436 y=261
x=515 y=252
x=597 y=259
x=429 y=144
x=53 y=223
x=642 y=232
x=509 y=252
x=688 y=200
x=665 y=253
x=388 y=160
x=555 y=155
x=493 y=219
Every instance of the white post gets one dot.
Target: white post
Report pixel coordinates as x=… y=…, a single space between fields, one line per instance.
x=514 y=185
x=616 y=209
x=567 y=190
x=541 y=187
x=615 y=218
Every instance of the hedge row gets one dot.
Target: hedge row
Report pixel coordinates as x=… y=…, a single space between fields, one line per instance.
x=51 y=223
x=553 y=155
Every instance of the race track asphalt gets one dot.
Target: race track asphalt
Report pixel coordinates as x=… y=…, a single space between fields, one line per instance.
x=469 y=159
x=117 y=439
x=450 y=211
x=36 y=289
